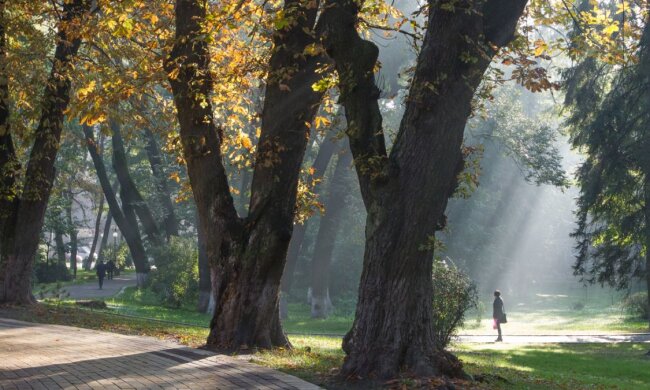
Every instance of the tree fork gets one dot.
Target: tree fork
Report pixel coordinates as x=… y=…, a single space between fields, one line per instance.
x=247 y=256
x=406 y=192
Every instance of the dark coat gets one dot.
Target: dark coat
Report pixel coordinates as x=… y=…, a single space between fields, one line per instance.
x=101 y=270
x=110 y=266
x=497 y=308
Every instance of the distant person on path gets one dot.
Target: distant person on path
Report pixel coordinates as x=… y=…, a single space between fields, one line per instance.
x=101 y=273
x=497 y=312
x=110 y=268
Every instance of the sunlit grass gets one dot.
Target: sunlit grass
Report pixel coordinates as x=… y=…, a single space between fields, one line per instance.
x=571 y=366
x=144 y=303
x=318 y=358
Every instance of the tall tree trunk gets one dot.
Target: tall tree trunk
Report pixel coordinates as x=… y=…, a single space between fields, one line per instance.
x=72 y=231
x=40 y=173
x=125 y=220
x=107 y=233
x=98 y=223
x=647 y=241
x=205 y=284
x=9 y=165
x=406 y=192
x=170 y=222
x=60 y=247
x=338 y=187
x=100 y=211
x=132 y=201
x=247 y=256
x=325 y=152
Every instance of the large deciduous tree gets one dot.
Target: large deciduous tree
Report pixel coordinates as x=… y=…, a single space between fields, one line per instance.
x=24 y=210
x=406 y=191
x=246 y=255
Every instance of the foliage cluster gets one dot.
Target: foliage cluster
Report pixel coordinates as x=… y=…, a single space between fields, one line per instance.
x=637 y=305
x=453 y=294
x=120 y=255
x=175 y=279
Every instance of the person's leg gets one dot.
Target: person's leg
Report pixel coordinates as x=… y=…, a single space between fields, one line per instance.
x=101 y=282
x=499 y=330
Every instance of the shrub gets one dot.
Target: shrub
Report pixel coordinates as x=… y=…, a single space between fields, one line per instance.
x=51 y=273
x=637 y=304
x=175 y=280
x=453 y=294
x=122 y=258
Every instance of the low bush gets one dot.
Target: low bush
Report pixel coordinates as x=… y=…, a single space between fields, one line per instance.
x=637 y=305
x=175 y=280
x=453 y=294
x=49 y=273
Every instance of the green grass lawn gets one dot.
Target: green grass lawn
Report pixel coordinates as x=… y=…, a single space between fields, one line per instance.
x=598 y=317
x=144 y=303
x=82 y=277
x=560 y=366
x=317 y=358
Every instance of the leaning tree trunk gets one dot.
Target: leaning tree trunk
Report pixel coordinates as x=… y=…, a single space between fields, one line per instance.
x=107 y=233
x=170 y=222
x=247 y=256
x=125 y=220
x=325 y=152
x=98 y=223
x=39 y=175
x=132 y=200
x=406 y=192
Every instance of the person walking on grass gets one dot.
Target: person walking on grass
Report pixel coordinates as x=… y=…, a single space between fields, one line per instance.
x=497 y=313
x=101 y=273
x=110 y=268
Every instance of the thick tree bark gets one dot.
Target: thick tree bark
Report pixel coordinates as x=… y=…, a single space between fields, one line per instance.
x=132 y=201
x=406 y=193
x=323 y=157
x=98 y=223
x=247 y=256
x=40 y=173
x=125 y=220
x=646 y=211
x=170 y=222
x=337 y=189
x=9 y=165
x=205 y=284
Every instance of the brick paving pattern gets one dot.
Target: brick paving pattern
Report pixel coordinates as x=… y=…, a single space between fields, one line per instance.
x=38 y=356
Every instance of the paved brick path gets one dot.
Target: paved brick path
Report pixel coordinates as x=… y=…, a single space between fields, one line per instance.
x=38 y=356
